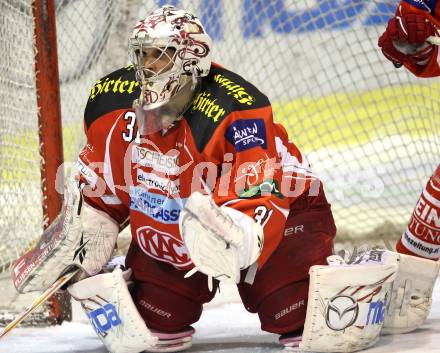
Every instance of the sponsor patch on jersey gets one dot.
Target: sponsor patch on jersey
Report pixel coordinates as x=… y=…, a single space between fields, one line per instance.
x=117 y=86
x=244 y=134
x=233 y=89
x=163 y=246
x=265 y=188
x=87 y=173
x=160 y=162
x=158 y=207
x=208 y=106
x=154 y=182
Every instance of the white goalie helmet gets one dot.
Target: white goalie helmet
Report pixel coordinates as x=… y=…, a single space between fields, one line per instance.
x=169 y=50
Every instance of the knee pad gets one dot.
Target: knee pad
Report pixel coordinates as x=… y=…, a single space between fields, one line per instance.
x=284 y=310
x=164 y=310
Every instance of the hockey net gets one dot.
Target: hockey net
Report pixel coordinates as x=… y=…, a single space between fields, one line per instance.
x=371 y=132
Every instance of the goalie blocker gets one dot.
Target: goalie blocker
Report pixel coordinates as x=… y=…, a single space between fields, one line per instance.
x=80 y=236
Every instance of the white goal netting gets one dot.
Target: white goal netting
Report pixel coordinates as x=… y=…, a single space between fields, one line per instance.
x=371 y=132
x=86 y=48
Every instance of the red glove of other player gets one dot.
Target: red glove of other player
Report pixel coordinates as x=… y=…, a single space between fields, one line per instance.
x=404 y=40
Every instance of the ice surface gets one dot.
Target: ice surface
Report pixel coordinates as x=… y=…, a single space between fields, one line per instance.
x=225 y=327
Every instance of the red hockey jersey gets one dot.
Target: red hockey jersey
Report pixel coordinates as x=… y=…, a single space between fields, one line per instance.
x=226 y=144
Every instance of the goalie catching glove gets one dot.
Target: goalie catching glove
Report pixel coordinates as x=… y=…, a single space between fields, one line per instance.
x=80 y=236
x=221 y=241
x=405 y=39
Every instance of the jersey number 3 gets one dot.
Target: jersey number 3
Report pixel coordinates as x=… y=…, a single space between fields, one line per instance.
x=128 y=134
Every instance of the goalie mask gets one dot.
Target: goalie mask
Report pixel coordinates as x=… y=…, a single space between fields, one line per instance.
x=170 y=51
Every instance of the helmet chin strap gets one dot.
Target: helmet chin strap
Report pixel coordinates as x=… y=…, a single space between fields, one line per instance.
x=194 y=75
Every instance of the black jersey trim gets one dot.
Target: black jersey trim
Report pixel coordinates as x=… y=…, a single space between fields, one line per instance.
x=115 y=91
x=222 y=92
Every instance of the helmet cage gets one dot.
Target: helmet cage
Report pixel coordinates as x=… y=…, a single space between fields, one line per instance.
x=161 y=72
x=139 y=48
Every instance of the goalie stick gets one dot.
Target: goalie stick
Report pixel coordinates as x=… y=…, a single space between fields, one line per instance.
x=40 y=300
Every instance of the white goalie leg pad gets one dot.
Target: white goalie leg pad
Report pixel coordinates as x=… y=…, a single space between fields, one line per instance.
x=411 y=295
x=346 y=305
x=109 y=306
x=81 y=236
x=220 y=240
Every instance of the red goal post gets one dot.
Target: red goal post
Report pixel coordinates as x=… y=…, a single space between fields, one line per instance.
x=58 y=308
x=47 y=91
x=48 y=101
x=32 y=131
